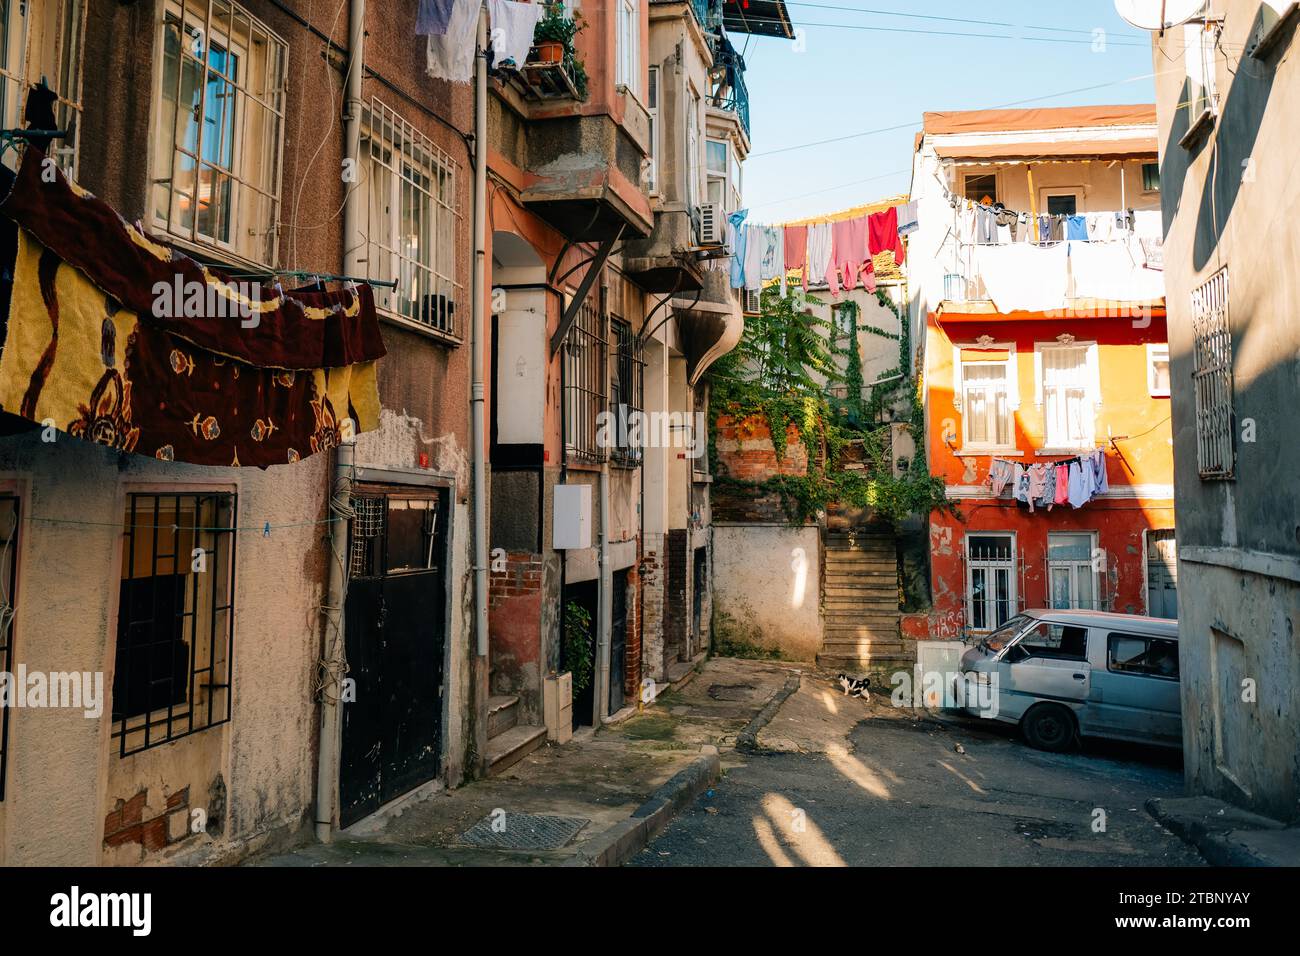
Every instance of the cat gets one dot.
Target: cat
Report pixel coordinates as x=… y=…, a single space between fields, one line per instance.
x=855 y=686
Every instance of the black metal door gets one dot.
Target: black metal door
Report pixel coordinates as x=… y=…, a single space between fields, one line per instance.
x=618 y=643
x=395 y=636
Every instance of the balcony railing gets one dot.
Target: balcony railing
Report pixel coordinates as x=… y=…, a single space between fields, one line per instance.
x=729 y=90
x=709 y=14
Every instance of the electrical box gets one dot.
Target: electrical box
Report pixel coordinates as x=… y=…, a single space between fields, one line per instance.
x=571 y=524
x=557 y=704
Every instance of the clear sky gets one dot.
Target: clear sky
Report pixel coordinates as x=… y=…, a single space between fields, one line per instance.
x=855 y=74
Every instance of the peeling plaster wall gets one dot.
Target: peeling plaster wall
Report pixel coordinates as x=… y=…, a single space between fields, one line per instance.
x=766 y=588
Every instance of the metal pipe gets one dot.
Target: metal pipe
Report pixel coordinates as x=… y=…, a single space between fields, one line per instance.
x=478 y=444
x=331 y=692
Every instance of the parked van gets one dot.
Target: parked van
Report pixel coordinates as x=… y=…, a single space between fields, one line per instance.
x=1061 y=675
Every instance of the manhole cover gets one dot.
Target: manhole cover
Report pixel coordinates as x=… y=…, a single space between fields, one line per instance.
x=523 y=831
x=731 y=691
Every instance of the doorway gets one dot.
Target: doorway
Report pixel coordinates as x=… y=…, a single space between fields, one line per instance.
x=1162 y=574
x=395 y=636
x=579 y=625
x=618 y=643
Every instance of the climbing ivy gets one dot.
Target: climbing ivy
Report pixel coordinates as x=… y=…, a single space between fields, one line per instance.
x=784 y=373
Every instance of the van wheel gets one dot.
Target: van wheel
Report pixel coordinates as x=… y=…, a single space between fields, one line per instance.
x=1049 y=727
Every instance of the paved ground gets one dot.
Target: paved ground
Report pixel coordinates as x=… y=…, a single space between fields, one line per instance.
x=601 y=777
x=841 y=782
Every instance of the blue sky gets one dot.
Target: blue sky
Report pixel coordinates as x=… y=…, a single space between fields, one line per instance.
x=848 y=80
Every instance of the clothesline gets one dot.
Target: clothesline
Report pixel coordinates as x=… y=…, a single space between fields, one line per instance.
x=1075 y=481
x=839 y=252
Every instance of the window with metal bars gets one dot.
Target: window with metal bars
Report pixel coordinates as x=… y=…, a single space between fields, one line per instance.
x=1216 y=453
x=991 y=598
x=8 y=562
x=220 y=128
x=585 y=354
x=411 y=220
x=175 y=620
x=626 y=391
x=43 y=41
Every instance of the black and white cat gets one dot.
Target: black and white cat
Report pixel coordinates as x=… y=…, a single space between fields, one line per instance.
x=855 y=686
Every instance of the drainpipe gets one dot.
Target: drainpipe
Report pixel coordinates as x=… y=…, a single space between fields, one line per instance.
x=606 y=605
x=478 y=449
x=331 y=717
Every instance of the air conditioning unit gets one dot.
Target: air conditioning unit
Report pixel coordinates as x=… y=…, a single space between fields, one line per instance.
x=752 y=304
x=713 y=224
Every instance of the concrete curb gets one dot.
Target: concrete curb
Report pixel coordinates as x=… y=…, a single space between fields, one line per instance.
x=622 y=841
x=1214 y=843
x=747 y=739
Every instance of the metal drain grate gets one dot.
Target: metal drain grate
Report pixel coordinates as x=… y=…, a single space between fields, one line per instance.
x=523 y=831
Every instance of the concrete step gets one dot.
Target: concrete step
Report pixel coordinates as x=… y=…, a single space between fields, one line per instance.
x=503 y=714
x=860 y=632
x=508 y=748
x=848 y=645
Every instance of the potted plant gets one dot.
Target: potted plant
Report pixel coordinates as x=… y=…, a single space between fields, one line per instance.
x=553 y=44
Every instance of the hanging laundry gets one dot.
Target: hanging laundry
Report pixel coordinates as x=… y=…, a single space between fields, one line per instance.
x=882 y=235
x=512 y=29
x=908 y=219
x=1062 y=483
x=198 y=387
x=1021 y=481
x=966 y=225
x=796 y=251
x=755 y=249
x=1019 y=277
x=1148 y=224
x=819 y=252
x=1000 y=475
x=432 y=17
x=1079 y=493
x=1048 y=497
x=1004 y=235
x=772 y=262
x=1037 y=484
x=986 y=226
x=737 y=236
x=451 y=55
x=1100 y=481
x=1076 y=228
x=848 y=252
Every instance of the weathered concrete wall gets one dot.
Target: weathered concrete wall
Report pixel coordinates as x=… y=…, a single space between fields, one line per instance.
x=1238 y=540
x=766 y=588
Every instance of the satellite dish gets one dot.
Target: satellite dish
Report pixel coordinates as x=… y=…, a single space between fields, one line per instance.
x=1158 y=14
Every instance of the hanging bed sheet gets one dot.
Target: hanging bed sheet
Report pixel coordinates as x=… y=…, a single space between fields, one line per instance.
x=227 y=373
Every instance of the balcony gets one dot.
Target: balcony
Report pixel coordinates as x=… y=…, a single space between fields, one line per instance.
x=767 y=18
x=729 y=92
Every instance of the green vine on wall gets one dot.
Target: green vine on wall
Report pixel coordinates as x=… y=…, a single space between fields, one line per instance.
x=784 y=373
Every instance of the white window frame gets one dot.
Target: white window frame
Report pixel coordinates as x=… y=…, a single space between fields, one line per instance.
x=238 y=246
x=1013 y=588
x=693 y=132
x=628 y=13
x=1075 y=568
x=654 y=96
x=36 y=32
x=1158 y=353
x=1092 y=385
x=1012 y=388
x=432 y=274
x=712 y=175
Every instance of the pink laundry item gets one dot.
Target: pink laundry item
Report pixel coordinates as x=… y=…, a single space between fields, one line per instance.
x=1037 y=484
x=796 y=251
x=848 y=250
x=1062 y=484
x=883 y=235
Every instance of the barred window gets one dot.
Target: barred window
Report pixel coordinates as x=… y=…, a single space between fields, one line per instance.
x=626 y=391
x=43 y=41
x=585 y=354
x=220 y=108
x=411 y=217
x=1216 y=455
x=8 y=579
x=175 y=621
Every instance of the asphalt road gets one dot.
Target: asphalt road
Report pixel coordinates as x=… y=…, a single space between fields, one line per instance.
x=894 y=790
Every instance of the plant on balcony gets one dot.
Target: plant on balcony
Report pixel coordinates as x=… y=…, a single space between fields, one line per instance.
x=556 y=28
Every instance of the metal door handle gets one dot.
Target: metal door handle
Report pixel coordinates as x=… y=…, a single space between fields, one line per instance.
x=1080 y=677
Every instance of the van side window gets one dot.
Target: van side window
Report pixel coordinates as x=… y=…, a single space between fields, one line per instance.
x=1147 y=656
x=1059 y=641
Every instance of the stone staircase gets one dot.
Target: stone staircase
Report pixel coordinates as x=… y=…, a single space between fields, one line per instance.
x=509 y=741
x=860 y=632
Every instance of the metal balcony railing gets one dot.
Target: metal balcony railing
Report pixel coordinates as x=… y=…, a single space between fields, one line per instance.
x=708 y=13
x=729 y=92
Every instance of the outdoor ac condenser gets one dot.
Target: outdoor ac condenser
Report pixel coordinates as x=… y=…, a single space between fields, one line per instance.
x=713 y=225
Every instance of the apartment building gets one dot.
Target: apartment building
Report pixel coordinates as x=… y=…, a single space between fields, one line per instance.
x=610 y=174
x=1038 y=310
x=1227 y=94
x=220 y=604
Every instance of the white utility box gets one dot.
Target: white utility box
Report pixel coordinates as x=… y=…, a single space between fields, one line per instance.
x=557 y=702
x=571 y=525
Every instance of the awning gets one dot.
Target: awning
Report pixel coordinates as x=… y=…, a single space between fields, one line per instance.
x=122 y=341
x=1100 y=149
x=767 y=18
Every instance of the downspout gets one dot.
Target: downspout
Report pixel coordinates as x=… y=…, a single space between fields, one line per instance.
x=478 y=444
x=331 y=717
x=606 y=603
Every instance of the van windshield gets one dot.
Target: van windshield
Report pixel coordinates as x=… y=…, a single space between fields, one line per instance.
x=1003 y=635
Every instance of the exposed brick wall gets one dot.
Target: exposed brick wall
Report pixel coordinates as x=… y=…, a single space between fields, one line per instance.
x=514 y=627
x=677 y=605
x=522 y=576
x=125 y=824
x=746 y=452
x=632 y=654
x=650 y=573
